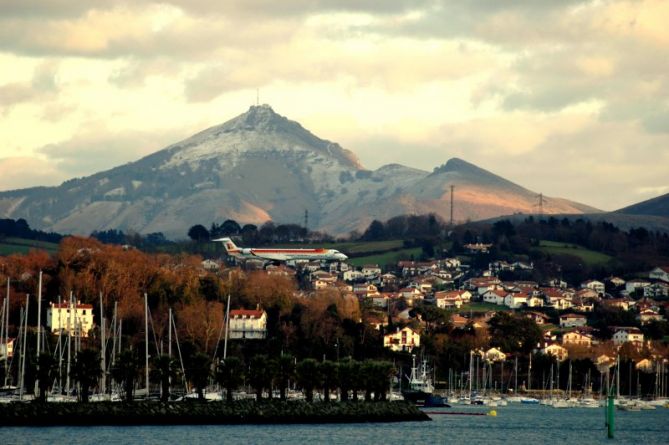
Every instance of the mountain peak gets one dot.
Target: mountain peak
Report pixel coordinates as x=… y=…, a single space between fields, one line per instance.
x=458 y=165
x=261 y=118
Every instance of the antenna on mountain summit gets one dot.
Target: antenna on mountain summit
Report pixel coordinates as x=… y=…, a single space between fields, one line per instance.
x=257 y=96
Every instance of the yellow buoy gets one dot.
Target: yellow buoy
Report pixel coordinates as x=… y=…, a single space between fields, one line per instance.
x=493 y=413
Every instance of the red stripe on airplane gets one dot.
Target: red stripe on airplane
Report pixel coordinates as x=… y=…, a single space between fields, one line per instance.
x=288 y=251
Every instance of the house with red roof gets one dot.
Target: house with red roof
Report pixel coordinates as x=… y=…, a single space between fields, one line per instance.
x=247 y=324
x=75 y=317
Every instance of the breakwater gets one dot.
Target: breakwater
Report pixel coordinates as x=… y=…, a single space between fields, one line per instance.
x=209 y=413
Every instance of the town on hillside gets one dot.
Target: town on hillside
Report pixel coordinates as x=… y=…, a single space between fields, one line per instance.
x=477 y=326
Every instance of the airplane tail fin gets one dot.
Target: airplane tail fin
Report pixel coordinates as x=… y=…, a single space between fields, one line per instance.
x=229 y=245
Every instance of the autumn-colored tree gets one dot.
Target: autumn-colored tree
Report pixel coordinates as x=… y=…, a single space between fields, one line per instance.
x=200 y=321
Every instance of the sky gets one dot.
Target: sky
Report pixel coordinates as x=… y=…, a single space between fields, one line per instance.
x=568 y=98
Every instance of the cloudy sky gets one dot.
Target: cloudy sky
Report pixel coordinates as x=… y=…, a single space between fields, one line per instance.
x=568 y=98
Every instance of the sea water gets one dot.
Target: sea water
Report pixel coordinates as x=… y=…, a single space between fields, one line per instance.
x=517 y=424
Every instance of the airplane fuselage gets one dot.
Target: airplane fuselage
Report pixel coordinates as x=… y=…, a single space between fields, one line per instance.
x=276 y=254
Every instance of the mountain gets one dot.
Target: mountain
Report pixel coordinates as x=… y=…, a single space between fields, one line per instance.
x=261 y=166
x=658 y=206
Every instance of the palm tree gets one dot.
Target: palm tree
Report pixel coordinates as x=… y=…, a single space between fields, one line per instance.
x=230 y=375
x=308 y=377
x=125 y=372
x=382 y=373
x=164 y=369
x=86 y=371
x=199 y=371
x=347 y=378
x=47 y=372
x=285 y=372
x=328 y=371
x=261 y=373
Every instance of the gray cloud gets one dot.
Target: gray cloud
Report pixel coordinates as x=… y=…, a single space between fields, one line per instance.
x=41 y=87
x=97 y=148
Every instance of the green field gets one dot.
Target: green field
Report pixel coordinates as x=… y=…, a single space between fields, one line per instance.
x=479 y=306
x=10 y=246
x=383 y=259
x=590 y=257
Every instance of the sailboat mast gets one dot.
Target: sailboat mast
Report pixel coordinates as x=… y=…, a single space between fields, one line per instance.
x=227 y=329
x=169 y=333
x=146 y=341
x=39 y=314
x=6 y=338
x=69 y=345
x=23 y=355
x=103 y=348
x=60 y=346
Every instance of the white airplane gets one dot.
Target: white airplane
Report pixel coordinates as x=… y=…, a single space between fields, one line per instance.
x=281 y=254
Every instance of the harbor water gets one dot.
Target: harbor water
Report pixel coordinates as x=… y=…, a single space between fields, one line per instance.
x=517 y=424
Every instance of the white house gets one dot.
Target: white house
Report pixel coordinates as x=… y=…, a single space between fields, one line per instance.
x=494 y=355
x=647 y=315
x=402 y=340
x=556 y=351
x=75 y=318
x=633 y=285
x=660 y=273
x=352 y=275
x=494 y=296
x=595 y=285
x=573 y=321
x=577 y=338
x=371 y=270
x=248 y=324
x=515 y=300
x=626 y=334
x=656 y=290
x=7 y=349
x=448 y=299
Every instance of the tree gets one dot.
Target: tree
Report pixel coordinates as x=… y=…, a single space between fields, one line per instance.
x=347 y=378
x=86 y=371
x=199 y=372
x=198 y=233
x=47 y=372
x=164 y=369
x=285 y=372
x=125 y=372
x=261 y=373
x=308 y=377
x=514 y=334
x=328 y=371
x=230 y=375
x=230 y=227
x=375 y=231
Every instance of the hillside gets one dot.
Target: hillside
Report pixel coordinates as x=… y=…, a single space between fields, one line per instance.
x=658 y=206
x=260 y=166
